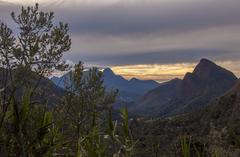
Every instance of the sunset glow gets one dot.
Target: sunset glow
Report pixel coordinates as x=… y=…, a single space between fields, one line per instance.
x=157 y=72
x=165 y=72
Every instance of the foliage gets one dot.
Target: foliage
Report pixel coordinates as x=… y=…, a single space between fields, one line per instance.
x=185 y=146
x=40 y=44
x=85 y=109
x=29 y=128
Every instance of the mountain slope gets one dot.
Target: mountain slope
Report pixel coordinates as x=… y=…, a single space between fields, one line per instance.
x=197 y=89
x=225 y=111
x=134 y=86
x=212 y=128
x=128 y=90
x=46 y=92
x=158 y=98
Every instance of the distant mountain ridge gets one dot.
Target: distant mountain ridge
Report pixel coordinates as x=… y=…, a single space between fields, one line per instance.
x=135 y=86
x=46 y=88
x=195 y=90
x=129 y=90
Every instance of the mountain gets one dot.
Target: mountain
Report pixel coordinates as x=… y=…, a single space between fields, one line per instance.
x=46 y=90
x=214 y=128
x=207 y=82
x=59 y=81
x=225 y=110
x=157 y=98
x=129 y=90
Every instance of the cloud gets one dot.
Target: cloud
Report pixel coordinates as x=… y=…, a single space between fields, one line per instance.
x=161 y=57
x=121 y=17
x=165 y=72
x=157 y=72
x=124 y=32
x=216 y=43
x=144 y=18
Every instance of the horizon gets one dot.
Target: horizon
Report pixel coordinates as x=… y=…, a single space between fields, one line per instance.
x=164 y=76
x=159 y=40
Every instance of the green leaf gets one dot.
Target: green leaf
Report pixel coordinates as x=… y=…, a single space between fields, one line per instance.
x=25 y=106
x=125 y=126
x=47 y=119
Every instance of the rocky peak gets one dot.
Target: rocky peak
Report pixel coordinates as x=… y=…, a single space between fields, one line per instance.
x=134 y=80
x=207 y=76
x=108 y=71
x=208 y=70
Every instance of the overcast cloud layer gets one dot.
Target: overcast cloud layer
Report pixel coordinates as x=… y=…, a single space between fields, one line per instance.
x=126 y=32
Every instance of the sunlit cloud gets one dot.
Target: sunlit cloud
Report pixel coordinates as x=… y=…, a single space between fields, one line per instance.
x=231 y=65
x=165 y=72
x=156 y=72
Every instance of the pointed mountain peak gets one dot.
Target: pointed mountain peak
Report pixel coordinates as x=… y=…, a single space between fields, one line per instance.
x=207 y=69
x=203 y=69
x=108 y=71
x=206 y=61
x=205 y=65
x=134 y=79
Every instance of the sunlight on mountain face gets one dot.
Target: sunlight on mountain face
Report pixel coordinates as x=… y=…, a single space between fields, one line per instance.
x=165 y=72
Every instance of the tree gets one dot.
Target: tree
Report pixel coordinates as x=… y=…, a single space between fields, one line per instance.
x=85 y=104
x=87 y=120
x=26 y=127
x=33 y=53
x=40 y=45
x=81 y=125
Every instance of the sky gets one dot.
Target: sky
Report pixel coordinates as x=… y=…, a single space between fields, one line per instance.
x=147 y=39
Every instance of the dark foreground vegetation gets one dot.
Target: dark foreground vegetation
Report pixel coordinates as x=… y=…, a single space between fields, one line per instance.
x=38 y=119
x=34 y=120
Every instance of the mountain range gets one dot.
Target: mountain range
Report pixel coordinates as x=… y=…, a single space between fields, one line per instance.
x=203 y=106
x=147 y=98
x=207 y=82
x=129 y=90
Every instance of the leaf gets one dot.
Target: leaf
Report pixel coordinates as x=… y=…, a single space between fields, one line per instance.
x=47 y=119
x=124 y=115
x=25 y=106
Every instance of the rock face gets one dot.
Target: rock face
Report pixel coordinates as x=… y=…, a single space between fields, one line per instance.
x=207 y=82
